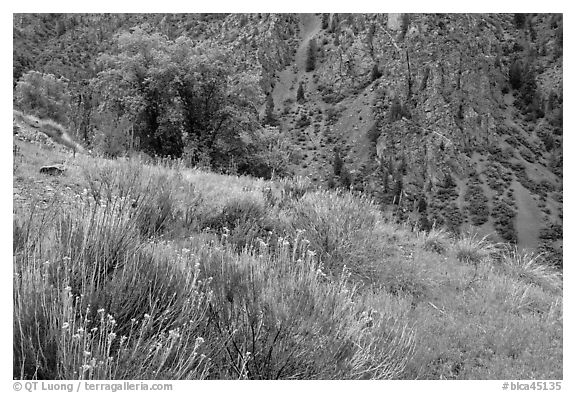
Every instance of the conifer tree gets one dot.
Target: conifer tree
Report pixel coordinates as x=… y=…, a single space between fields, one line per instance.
x=269 y=117
x=311 y=59
x=300 y=93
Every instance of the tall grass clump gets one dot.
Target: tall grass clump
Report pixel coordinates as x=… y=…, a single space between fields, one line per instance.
x=473 y=249
x=532 y=268
x=66 y=278
x=241 y=221
x=101 y=255
x=278 y=316
x=436 y=240
x=342 y=228
x=157 y=198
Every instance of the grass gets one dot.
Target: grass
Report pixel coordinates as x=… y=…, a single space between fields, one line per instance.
x=163 y=272
x=473 y=249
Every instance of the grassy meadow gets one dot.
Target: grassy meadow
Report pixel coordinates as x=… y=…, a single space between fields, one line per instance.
x=143 y=271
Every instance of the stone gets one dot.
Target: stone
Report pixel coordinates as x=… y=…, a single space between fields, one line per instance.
x=52 y=170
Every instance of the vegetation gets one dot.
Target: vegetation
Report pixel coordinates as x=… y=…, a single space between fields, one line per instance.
x=311 y=56
x=350 y=252
x=43 y=95
x=300 y=93
x=310 y=287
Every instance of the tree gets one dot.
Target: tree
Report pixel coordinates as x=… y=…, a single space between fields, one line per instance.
x=376 y=73
x=325 y=21
x=422 y=205
x=398 y=187
x=515 y=74
x=43 y=95
x=311 y=58
x=269 y=117
x=520 y=20
x=180 y=96
x=300 y=93
x=337 y=163
x=395 y=110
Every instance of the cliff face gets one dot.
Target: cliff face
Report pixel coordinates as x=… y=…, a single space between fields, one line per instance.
x=423 y=107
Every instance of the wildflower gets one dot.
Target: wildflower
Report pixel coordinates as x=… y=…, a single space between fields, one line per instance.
x=174 y=334
x=199 y=341
x=146 y=316
x=111 y=337
x=87 y=353
x=123 y=339
x=67 y=288
x=80 y=330
x=100 y=311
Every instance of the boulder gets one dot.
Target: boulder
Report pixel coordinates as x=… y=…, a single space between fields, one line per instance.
x=52 y=170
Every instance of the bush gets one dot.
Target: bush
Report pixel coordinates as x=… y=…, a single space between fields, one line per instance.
x=342 y=229
x=503 y=216
x=396 y=111
x=477 y=203
x=436 y=240
x=376 y=73
x=473 y=250
x=241 y=221
x=277 y=316
x=532 y=268
x=515 y=75
x=43 y=95
x=311 y=57
x=300 y=93
x=79 y=311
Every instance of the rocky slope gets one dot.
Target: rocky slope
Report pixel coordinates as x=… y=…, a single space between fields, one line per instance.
x=423 y=112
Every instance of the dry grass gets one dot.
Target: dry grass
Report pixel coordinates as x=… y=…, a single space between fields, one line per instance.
x=314 y=284
x=474 y=249
x=532 y=268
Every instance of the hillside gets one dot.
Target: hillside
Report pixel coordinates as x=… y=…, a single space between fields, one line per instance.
x=252 y=279
x=439 y=104
x=467 y=107
x=288 y=196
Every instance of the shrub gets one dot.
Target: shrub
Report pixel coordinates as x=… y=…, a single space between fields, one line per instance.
x=436 y=240
x=78 y=304
x=277 y=317
x=477 y=203
x=43 y=95
x=241 y=221
x=303 y=121
x=342 y=229
x=515 y=74
x=532 y=268
x=396 y=111
x=300 y=93
x=503 y=216
x=473 y=249
x=311 y=57
x=376 y=73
